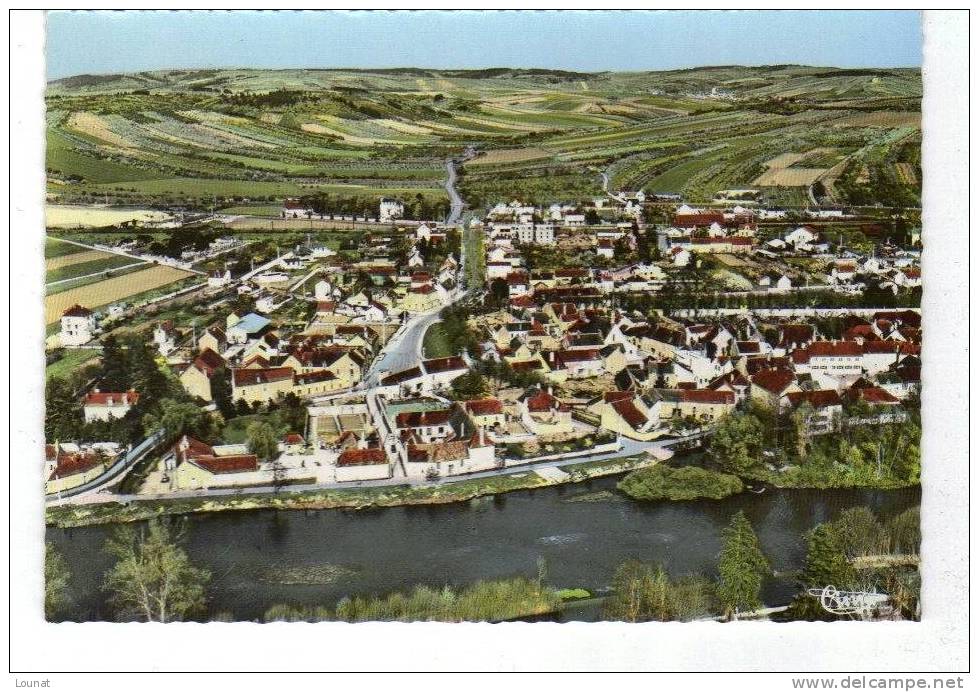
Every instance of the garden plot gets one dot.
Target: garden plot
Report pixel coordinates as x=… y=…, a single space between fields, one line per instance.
x=781 y=173
x=504 y=156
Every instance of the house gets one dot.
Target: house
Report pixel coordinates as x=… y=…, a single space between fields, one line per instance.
x=437 y=459
x=214 y=339
x=428 y=376
x=769 y=386
x=196 y=378
x=164 y=336
x=843 y=270
x=362 y=463
x=105 y=406
x=390 y=209
x=240 y=330
x=260 y=384
x=78 y=326
x=703 y=405
x=67 y=465
x=196 y=465
x=427 y=426
x=218 y=278
x=543 y=413
x=800 y=237
x=605 y=249
x=574 y=364
x=626 y=413
x=486 y=413
x=574 y=220
x=826 y=409
x=292 y=443
x=293 y=208
x=835 y=357
x=680 y=257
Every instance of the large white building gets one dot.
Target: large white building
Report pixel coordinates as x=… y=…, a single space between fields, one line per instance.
x=78 y=326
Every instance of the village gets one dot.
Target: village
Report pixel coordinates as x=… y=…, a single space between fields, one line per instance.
x=529 y=337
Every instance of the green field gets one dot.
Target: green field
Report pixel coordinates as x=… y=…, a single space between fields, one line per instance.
x=58 y=248
x=85 y=268
x=69 y=362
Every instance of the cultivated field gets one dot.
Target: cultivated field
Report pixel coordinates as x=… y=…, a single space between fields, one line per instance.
x=61 y=216
x=111 y=290
x=237 y=138
x=74 y=258
x=781 y=171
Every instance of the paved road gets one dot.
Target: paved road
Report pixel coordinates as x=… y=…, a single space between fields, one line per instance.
x=456 y=203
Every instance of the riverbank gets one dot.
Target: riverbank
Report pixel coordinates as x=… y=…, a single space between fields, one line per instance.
x=69 y=516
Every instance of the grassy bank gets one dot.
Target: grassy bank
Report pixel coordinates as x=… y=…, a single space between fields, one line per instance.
x=349 y=498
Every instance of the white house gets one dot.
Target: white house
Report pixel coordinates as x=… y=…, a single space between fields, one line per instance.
x=218 y=278
x=800 y=236
x=78 y=326
x=390 y=209
x=164 y=337
x=104 y=406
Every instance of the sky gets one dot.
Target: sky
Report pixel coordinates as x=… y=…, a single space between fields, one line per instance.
x=112 y=42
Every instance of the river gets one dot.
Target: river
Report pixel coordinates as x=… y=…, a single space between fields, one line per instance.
x=583 y=531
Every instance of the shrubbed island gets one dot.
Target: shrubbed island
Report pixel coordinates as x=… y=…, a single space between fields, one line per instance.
x=314 y=289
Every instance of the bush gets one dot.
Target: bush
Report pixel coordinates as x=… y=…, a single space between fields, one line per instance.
x=685 y=483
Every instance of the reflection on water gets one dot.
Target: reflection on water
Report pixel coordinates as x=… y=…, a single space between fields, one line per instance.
x=381 y=550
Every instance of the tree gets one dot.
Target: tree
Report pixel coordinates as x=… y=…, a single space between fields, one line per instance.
x=221 y=391
x=153 y=578
x=263 y=440
x=742 y=567
x=826 y=563
x=736 y=444
x=472 y=385
x=180 y=418
x=62 y=410
x=115 y=374
x=56 y=578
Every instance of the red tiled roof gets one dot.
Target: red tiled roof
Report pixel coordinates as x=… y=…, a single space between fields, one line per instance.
x=97 y=398
x=77 y=311
x=293 y=439
x=418 y=419
x=873 y=395
x=362 y=457
x=207 y=361
x=484 y=407
x=234 y=463
x=824 y=349
x=820 y=398
x=444 y=364
x=424 y=289
x=246 y=378
x=522 y=365
x=313 y=377
x=402 y=376
x=68 y=464
x=543 y=401
x=629 y=413
x=775 y=380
